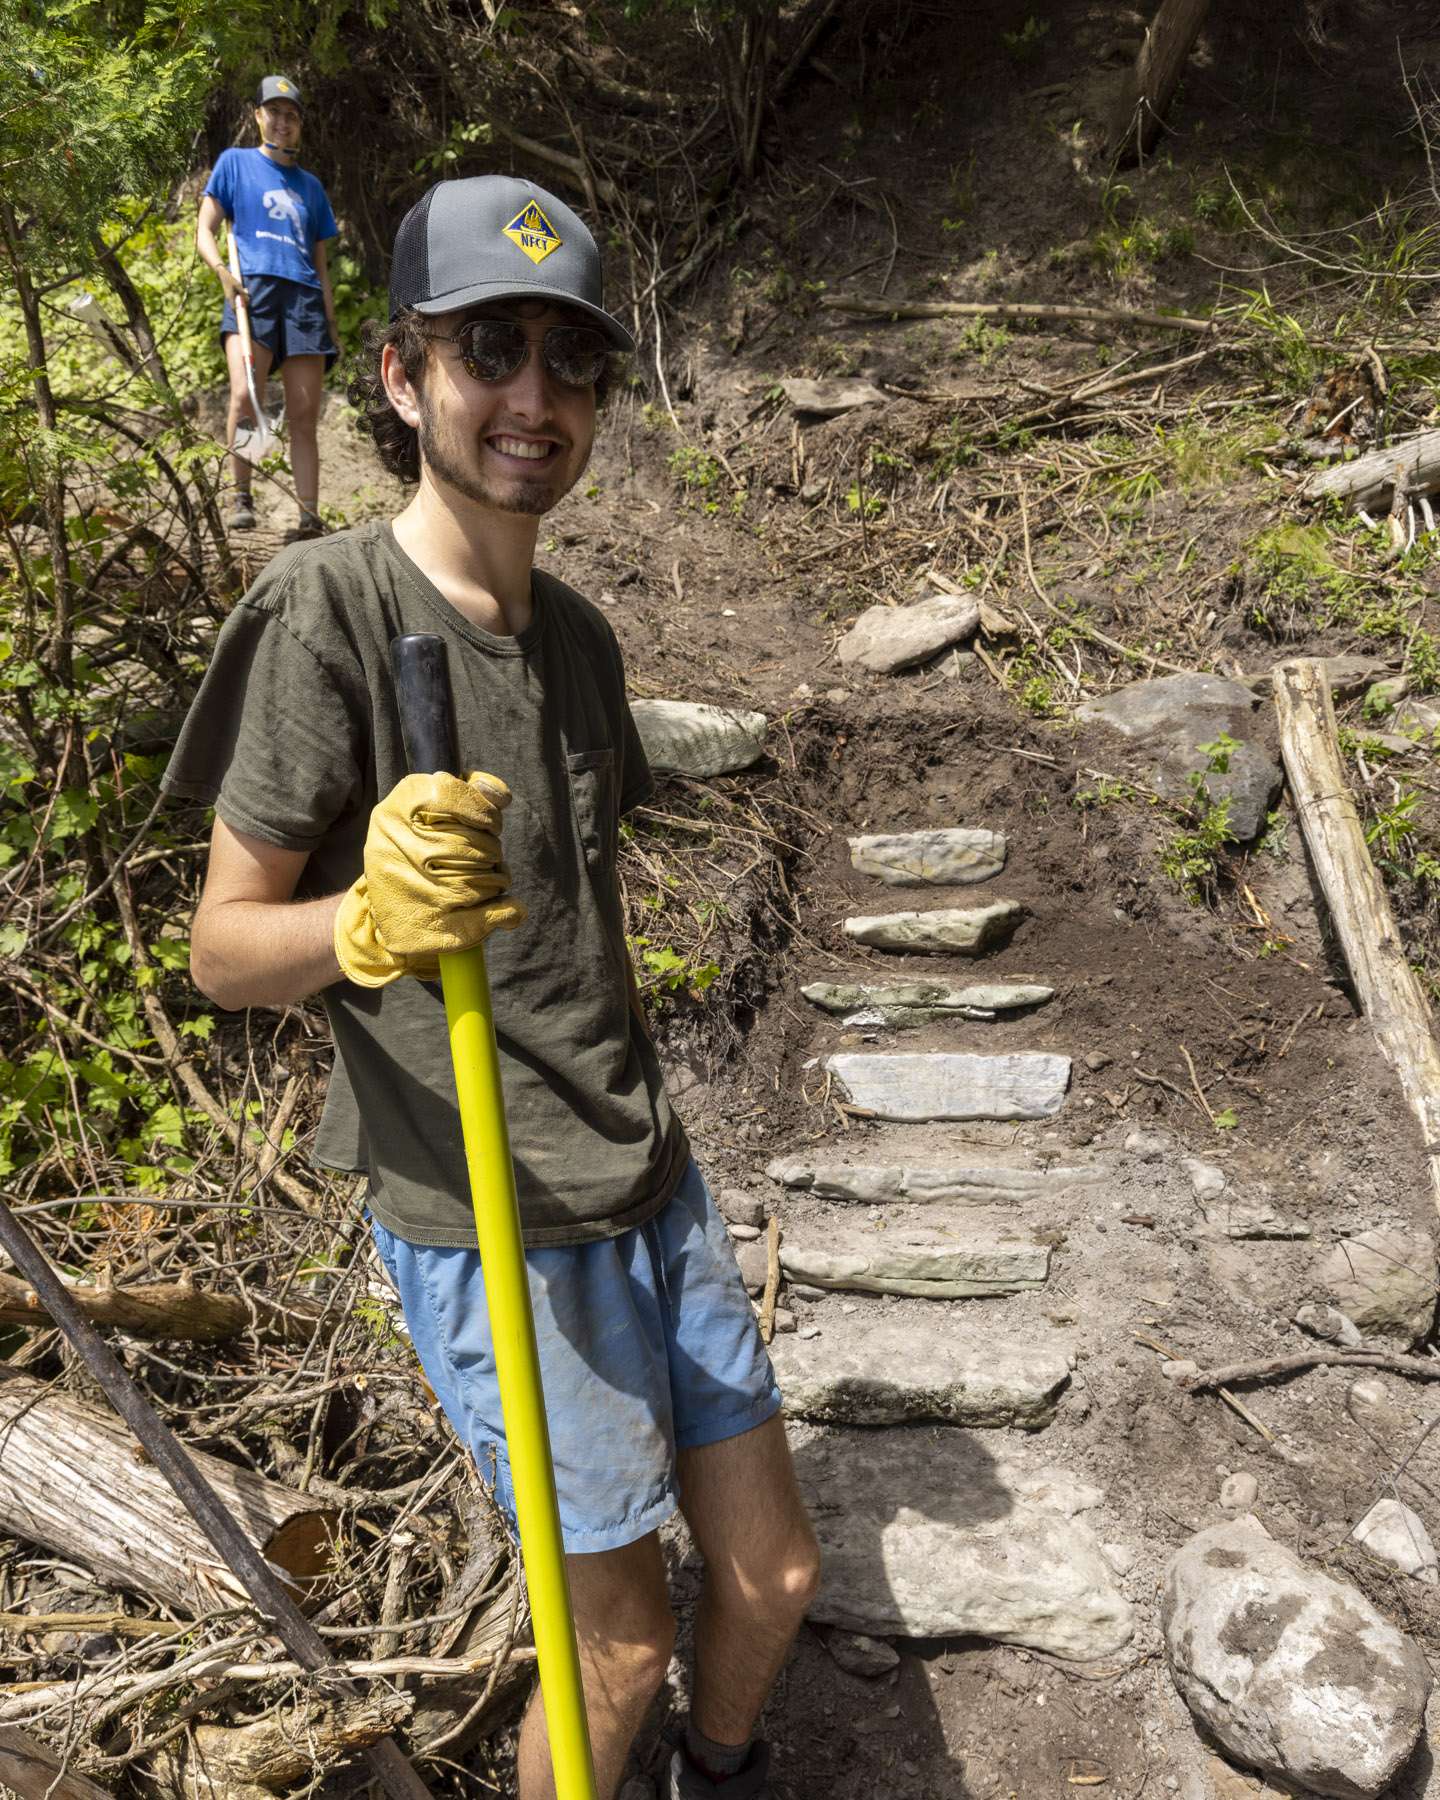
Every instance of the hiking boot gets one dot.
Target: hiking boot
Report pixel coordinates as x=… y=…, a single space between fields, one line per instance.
x=310 y=525
x=241 y=516
x=687 y=1782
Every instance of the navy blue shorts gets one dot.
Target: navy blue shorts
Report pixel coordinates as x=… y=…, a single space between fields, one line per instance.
x=286 y=317
x=648 y=1345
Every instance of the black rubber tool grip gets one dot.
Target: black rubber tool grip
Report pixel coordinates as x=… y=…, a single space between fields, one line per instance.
x=427 y=712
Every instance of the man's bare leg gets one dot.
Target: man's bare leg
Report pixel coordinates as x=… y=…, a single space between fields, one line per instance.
x=762 y=1566
x=626 y=1635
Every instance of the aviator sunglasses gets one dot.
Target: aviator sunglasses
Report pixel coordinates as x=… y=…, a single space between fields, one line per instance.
x=491 y=349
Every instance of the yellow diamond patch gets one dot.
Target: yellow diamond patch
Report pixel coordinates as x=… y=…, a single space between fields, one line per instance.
x=534 y=233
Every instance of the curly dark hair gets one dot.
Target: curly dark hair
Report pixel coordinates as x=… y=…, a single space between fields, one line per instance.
x=397 y=443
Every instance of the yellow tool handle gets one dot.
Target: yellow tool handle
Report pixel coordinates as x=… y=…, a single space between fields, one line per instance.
x=517 y=1365
x=428 y=724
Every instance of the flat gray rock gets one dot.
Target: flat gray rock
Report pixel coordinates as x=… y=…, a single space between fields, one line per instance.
x=905 y=1004
x=946 y=858
x=867 y=1371
x=1385 y=1281
x=940 y=1084
x=887 y=1184
x=1255 y=1219
x=1168 y=719
x=682 y=737
x=947 y=930
x=949 y=1259
x=936 y=1534
x=1296 y=1674
x=885 y=639
x=828 y=399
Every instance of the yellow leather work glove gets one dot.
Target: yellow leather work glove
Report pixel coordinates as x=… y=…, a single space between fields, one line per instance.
x=434 y=879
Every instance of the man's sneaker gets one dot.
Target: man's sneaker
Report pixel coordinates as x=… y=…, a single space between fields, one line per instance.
x=687 y=1783
x=241 y=516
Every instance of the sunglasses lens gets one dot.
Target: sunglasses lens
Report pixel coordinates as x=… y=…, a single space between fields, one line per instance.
x=575 y=354
x=491 y=349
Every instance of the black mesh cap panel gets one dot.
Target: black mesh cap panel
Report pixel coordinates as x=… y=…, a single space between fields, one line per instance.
x=410 y=270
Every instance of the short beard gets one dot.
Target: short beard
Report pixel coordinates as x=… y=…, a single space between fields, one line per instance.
x=443 y=460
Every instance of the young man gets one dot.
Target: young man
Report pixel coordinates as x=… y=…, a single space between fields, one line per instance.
x=332 y=871
x=281 y=219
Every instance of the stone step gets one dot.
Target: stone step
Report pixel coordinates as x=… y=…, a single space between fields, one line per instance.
x=936 y=1533
x=978 y=1184
x=944 y=858
x=683 y=737
x=885 y=639
x=864 y=1370
x=947 y=931
x=910 y=1086
x=905 y=1004
x=938 y=1256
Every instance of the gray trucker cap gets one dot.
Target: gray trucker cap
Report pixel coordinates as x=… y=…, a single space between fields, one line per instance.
x=495 y=237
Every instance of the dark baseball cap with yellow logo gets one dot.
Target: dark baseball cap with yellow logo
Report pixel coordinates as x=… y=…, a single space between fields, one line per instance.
x=496 y=237
x=278 y=87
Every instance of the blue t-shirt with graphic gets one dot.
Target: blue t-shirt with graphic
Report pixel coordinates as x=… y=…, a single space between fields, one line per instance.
x=278 y=215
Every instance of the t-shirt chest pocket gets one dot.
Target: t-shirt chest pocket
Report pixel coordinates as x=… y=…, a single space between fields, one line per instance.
x=592 y=798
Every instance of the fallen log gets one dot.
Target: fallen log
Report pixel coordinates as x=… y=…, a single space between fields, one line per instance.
x=1150 y=82
x=1386 y=986
x=255 y=1762
x=73 y=1480
x=1011 y=309
x=1369 y=481
x=34 y=1772
x=166 y=1309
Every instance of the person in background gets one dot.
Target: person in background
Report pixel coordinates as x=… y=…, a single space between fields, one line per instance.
x=281 y=219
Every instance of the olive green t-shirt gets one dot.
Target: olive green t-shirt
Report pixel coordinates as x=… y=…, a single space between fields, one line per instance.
x=293 y=737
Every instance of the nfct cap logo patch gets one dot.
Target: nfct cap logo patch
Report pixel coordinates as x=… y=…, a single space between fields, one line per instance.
x=282 y=87
x=534 y=233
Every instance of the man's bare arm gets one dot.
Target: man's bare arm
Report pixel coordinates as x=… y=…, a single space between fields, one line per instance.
x=252 y=943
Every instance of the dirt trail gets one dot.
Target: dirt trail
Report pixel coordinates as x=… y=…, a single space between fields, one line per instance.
x=730 y=554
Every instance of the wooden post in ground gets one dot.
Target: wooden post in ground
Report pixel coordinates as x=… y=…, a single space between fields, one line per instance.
x=1149 y=85
x=1386 y=986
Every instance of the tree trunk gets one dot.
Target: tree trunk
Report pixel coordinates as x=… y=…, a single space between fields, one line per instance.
x=72 y=1480
x=34 y=1771
x=1369 y=480
x=255 y=1762
x=136 y=317
x=1390 y=995
x=1149 y=86
x=166 y=1309
x=52 y=487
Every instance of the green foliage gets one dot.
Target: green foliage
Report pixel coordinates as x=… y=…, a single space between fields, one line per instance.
x=1025 y=44
x=664 y=971
x=1192 y=855
x=694 y=469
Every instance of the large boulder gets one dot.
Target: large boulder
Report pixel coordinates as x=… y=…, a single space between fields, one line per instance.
x=1167 y=720
x=943 y=1533
x=1385 y=1281
x=1293 y=1672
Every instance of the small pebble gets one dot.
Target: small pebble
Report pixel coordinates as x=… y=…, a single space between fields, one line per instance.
x=739 y=1207
x=1096 y=1060
x=1179 y=1368
x=784 y=1321
x=745 y=1233
x=1240 y=1492
x=810 y=1331
x=803 y=1290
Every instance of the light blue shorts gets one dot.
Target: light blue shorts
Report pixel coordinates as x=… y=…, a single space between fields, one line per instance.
x=648 y=1345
